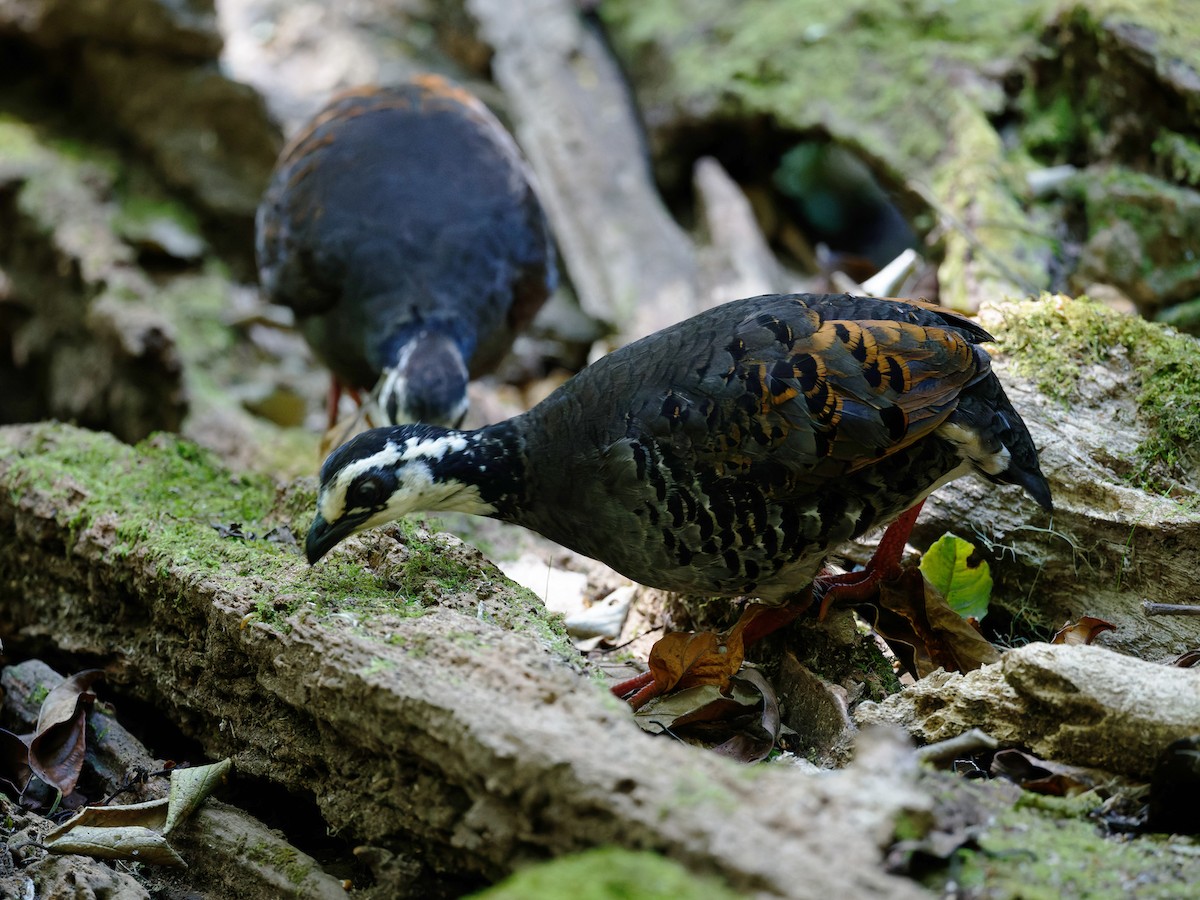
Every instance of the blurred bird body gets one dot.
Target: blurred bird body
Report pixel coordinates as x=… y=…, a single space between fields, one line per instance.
x=402 y=227
x=725 y=455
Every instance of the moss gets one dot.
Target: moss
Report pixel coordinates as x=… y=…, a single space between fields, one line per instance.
x=1054 y=340
x=139 y=210
x=910 y=87
x=19 y=146
x=281 y=858
x=1141 y=233
x=1179 y=157
x=608 y=873
x=1033 y=853
x=790 y=60
x=165 y=496
x=442 y=568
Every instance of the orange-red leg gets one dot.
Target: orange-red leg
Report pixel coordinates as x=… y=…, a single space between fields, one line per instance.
x=762 y=621
x=884 y=565
x=851 y=587
x=336 y=389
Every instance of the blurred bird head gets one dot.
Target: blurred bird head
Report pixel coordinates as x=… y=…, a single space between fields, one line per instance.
x=427 y=383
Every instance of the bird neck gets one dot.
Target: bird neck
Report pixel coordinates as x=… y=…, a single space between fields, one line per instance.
x=492 y=460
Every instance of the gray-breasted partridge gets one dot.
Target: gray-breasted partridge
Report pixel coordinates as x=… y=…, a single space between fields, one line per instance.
x=725 y=455
x=402 y=228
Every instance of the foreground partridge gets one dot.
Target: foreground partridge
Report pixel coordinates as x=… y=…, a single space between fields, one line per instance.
x=725 y=455
x=402 y=228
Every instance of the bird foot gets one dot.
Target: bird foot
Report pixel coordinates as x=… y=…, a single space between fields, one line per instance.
x=849 y=588
x=638 y=690
x=686 y=660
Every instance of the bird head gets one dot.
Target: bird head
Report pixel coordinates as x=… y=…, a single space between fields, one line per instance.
x=385 y=473
x=427 y=383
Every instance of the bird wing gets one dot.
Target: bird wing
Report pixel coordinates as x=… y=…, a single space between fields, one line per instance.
x=818 y=385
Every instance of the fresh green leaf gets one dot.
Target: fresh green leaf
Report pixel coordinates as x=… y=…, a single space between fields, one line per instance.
x=967 y=588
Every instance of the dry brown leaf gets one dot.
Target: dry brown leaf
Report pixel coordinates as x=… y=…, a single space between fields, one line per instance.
x=1086 y=630
x=913 y=613
x=57 y=749
x=152 y=814
x=755 y=741
x=682 y=659
x=1041 y=776
x=1188 y=660
x=14 y=760
x=741 y=721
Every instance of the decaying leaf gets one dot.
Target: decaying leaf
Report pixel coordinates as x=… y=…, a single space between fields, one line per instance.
x=1042 y=776
x=1188 y=660
x=138 y=831
x=740 y=721
x=152 y=814
x=967 y=588
x=56 y=751
x=189 y=788
x=753 y=742
x=127 y=842
x=14 y=760
x=1086 y=630
x=683 y=660
x=924 y=631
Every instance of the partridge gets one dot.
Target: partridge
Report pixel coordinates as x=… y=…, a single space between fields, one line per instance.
x=725 y=455
x=402 y=227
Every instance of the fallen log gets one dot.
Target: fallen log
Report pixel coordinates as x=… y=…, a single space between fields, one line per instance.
x=385 y=684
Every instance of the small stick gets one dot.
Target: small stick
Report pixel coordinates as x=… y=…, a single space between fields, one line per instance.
x=1150 y=608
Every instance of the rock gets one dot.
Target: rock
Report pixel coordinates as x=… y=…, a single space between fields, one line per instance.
x=147 y=70
x=186 y=28
x=1075 y=704
x=87 y=341
x=954 y=127
x=630 y=264
x=1141 y=237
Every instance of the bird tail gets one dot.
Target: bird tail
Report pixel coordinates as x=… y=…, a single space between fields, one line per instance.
x=985 y=413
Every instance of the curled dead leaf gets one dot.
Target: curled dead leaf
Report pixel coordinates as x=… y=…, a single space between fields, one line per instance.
x=1086 y=630
x=682 y=659
x=924 y=632
x=57 y=748
x=14 y=760
x=1040 y=775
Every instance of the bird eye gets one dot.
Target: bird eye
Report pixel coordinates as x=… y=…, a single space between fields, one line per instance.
x=367 y=493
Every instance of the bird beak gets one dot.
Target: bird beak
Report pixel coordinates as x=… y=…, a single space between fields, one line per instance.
x=323 y=537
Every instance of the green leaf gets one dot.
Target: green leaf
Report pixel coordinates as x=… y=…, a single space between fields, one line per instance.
x=967 y=588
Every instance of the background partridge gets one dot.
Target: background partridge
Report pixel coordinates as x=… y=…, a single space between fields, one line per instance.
x=402 y=228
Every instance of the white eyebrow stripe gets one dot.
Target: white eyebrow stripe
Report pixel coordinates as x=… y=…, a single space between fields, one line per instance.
x=332 y=501
x=433 y=448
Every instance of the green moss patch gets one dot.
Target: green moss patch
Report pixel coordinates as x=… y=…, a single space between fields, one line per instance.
x=171 y=503
x=608 y=874
x=1033 y=853
x=1054 y=341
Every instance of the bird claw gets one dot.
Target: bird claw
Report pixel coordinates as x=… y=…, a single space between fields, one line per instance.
x=850 y=588
x=638 y=691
